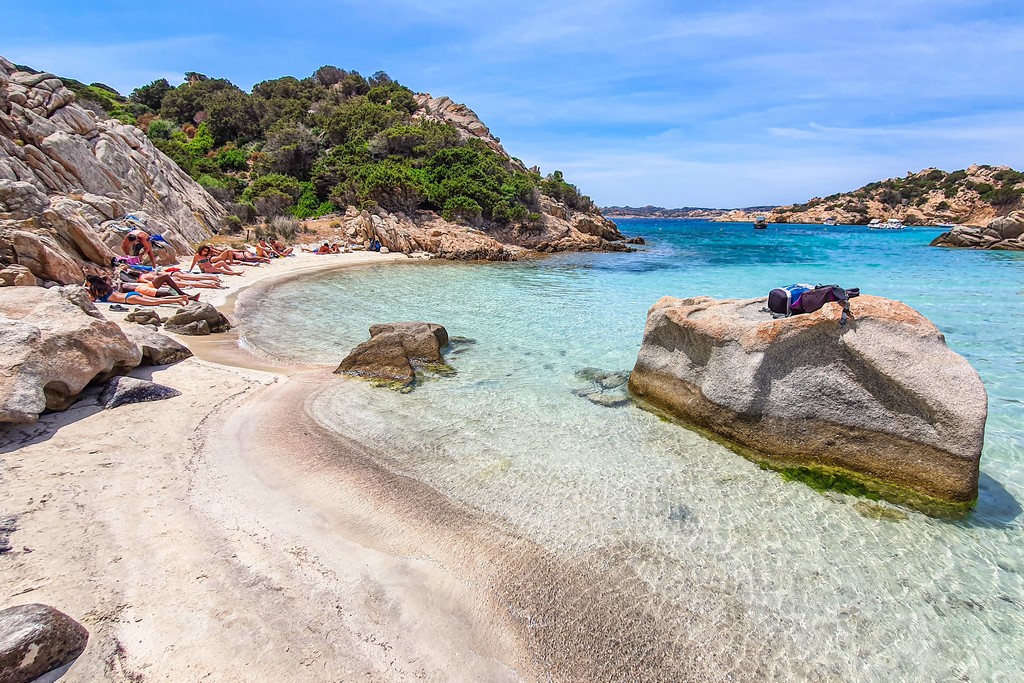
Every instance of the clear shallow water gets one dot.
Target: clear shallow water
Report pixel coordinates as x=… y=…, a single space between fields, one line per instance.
x=805 y=582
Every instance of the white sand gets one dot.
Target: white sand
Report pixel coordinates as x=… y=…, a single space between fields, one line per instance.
x=193 y=546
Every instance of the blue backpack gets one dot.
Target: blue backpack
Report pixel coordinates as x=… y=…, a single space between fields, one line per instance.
x=786 y=300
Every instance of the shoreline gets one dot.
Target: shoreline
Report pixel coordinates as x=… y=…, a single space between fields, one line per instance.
x=186 y=555
x=226 y=534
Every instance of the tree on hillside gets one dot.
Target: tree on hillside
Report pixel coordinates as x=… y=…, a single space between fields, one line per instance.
x=291 y=149
x=151 y=95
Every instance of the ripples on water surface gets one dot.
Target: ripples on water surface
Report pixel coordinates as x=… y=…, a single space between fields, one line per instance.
x=816 y=585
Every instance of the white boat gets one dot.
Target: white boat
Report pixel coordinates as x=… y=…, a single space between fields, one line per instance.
x=891 y=224
x=760 y=222
x=947 y=226
x=830 y=221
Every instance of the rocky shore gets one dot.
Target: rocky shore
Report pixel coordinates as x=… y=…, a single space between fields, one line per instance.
x=1001 y=234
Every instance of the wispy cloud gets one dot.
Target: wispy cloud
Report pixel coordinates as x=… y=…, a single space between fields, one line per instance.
x=733 y=103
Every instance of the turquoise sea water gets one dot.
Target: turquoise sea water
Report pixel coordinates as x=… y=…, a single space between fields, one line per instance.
x=806 y=583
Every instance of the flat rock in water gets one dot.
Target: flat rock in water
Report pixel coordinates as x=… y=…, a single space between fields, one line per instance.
x=37 y=639
x=881 y=399
x=122 y=390
x=395 y=351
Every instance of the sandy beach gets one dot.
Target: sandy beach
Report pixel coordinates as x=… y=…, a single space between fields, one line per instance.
x=193 y=545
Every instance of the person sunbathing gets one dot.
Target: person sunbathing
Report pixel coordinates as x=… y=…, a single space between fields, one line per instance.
x=100 y=289
x=232 y=256
x=204 y=259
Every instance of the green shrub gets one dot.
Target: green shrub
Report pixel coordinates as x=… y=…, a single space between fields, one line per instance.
x=274 y=182
x=1004 y=196
x=461 y=208
x=231 y=158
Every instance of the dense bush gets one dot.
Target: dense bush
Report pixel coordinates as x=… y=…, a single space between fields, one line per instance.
x=305 y=147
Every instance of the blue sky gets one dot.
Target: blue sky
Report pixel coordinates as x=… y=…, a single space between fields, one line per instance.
x=647 y=102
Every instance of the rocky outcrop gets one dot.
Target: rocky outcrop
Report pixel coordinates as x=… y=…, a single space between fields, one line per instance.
x=198 y=318
x=1001 y=234
x=882 y=400
x=463 y=119
x=66 y=177
x=394 y=353
x=53 y=342
x=17 y=276
x=36 y=640
x=125 y=390
x=560 y=230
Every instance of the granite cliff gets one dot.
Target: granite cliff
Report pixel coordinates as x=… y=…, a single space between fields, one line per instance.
x=67 y=177
x=70 y=173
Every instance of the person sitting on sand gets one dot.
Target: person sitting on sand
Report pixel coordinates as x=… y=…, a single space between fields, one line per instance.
x=136 y=242
x=204 y=259
x=100 y=289
x=265 y=250
x=280 y=247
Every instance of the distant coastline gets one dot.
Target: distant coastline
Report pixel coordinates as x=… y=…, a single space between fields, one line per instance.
x=683 y=212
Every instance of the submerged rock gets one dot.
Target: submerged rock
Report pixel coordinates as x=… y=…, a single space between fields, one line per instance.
x=36 y=640
x=395 y=351
x=605 y=388
x=123 y=390
x=882 y=400
x=53 y=343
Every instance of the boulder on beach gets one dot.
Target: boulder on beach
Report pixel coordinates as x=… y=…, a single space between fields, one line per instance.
x=197 y=318
x=124 y=390
x=36 y=640
x=53 y=342
x=395 y=351
x=157 y=349
x=881 y=401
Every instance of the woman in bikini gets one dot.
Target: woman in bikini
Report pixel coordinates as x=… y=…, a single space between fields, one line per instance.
x=204 y=259
x=100 y=289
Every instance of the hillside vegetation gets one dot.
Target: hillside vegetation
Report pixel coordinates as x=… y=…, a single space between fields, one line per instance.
x=971 y=196
x=312 y=146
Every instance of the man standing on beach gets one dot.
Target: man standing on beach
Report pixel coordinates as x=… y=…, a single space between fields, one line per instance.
x=135 y=243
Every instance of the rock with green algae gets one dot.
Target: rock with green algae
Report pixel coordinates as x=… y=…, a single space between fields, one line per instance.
x=395 y=352
x=881 y=402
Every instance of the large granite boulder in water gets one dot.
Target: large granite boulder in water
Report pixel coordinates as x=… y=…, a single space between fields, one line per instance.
x=882 y=400
x=36 y=640
x=395 y=351
x=53 y=342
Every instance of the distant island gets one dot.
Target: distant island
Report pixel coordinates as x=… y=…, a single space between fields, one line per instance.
x=684 y=212
x=973 y=196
